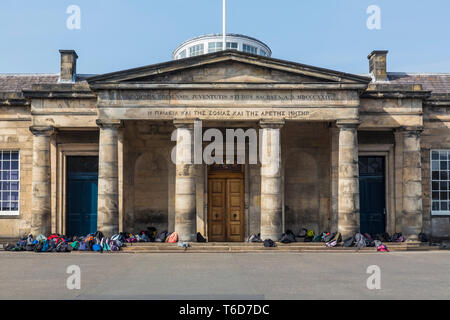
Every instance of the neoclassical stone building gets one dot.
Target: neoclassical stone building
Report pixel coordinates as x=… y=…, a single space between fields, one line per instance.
x=81 y=153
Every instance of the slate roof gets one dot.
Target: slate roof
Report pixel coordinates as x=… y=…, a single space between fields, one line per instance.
x=438 y=83
x=15 y=83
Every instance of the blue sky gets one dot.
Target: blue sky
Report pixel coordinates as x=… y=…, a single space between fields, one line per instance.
x=121 y=34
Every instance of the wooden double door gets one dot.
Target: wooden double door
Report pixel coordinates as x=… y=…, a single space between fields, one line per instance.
x=225 y=209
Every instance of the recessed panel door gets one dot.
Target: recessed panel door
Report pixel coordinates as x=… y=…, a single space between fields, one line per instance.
x=217 y=210
x=235 y=210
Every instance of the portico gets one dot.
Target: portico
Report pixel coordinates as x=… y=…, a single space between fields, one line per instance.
x=308 y=120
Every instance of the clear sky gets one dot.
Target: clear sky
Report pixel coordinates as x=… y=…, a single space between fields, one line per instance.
x=122 y=34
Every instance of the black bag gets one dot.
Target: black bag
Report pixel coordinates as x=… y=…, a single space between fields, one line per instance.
x=9 y=247
x=308 y=239
x=423 y=237
x=200 y=237
x=303 y=233
x=288 y=237
x=268 y=243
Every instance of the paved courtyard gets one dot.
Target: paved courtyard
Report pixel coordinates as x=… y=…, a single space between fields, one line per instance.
x=411 y=275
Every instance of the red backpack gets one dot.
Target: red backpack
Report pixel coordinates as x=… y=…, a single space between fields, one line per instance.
x=173 y=238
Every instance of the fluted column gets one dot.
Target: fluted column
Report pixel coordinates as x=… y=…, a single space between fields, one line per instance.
x=108 y=181
x=271 y=201
x=185 y=195
x=348 y=185
x=412 y=184
x=40 y=198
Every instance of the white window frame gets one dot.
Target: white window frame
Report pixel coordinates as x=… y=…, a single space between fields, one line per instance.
x=251 y=49
x=440 y=212
x=197 y=50
x=17 y=212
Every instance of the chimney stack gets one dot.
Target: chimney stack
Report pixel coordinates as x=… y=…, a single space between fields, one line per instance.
x=377 y=64
x=68 y=65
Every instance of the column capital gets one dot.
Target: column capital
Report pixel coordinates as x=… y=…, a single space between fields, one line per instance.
x=348 y=124
x=103 y=123
x=412 y=130
x=184 y=123
x=271 y=124
x=43 y=130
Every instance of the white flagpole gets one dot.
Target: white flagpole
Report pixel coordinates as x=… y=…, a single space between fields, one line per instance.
x=224 y=27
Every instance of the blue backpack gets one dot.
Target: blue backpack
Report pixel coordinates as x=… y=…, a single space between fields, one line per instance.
x=83 y=246
x=45 y=246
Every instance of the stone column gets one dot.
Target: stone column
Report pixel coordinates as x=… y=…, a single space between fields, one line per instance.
x=412 y=184
x=185 y=195
x=108 y=180
x=348 y=185
x=271 y=192
x=40 y=198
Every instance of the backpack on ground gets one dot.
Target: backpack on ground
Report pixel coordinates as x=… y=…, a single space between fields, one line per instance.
x=317 y=238
x=288 y=237
x=397 y=237
x=382 y=248
x=9 y=247
x=75 y=245
x=45 y=246
x=349 y=242
x=329 y=237
x=83 y=246
x=331 y=244
x=360 y=241
x=303 y=233
x=423 y=237
x=268 y=243
x=62 y=247
x=41 y=238
x=200 y=238
x=173 y=238
x=161 y=237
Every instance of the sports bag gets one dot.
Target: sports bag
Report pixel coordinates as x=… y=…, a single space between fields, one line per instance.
x=360 y=241
x=83 y=246
x=423 y=237
x=268 y=243
x=349 y=242
x=331 y=244
x=173 y=238
x=303 y=233
x=200 y=238
x=75 y=245
x=329 y=237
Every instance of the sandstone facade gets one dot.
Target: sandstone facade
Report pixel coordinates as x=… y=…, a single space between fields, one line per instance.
x=314 y=123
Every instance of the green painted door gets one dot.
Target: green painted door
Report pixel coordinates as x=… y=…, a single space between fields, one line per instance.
x=81 y=195
x=372 y=191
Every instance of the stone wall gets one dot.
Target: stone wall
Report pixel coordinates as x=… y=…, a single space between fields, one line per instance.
x=147 y=175
x=15 y=135
x=307 y=165
x=436 y=135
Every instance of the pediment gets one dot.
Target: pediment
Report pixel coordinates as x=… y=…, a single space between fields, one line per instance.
x=229 y=67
